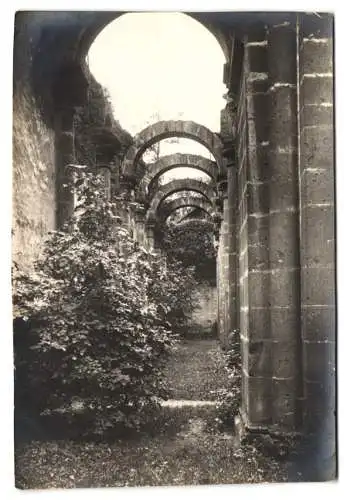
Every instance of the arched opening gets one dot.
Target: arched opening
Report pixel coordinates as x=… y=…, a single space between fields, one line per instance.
x=143 y=59
x=158 y=131
x=176 y=186
x=168 y=167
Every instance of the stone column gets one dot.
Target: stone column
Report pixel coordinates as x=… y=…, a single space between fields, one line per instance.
x=283 y=275
x=233 y=300
x=253 y=231
x=65 y=174
x=316 y=171
x=217 y=220
x=223 y=265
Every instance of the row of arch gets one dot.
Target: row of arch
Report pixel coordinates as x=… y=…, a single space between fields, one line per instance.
x=187 y=192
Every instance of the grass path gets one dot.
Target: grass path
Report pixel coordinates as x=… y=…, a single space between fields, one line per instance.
x=185 y=447
x=191 y=455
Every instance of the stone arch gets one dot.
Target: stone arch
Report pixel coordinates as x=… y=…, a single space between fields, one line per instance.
x=167 y=208
x=61 y=40
x=102 y=19
x=178 y=185
x=166 y=163
x=165 y=129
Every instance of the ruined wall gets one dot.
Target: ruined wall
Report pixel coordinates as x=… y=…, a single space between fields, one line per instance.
x=286 y=226
x=33 y=162
x=48 y=87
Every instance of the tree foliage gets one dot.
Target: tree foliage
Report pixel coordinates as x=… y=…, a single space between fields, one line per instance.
x=193 y=245
x=94 y=320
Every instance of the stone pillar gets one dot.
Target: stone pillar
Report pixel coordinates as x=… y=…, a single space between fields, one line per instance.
x=283 y=276
x=253 y=233
x=317 y=234
x=217 y=220
x=233 y=302
x=65 y=174
x=223 y=266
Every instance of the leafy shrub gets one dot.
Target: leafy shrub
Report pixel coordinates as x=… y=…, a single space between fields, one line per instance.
x=193 y=246
x=94 y=321
x=230 y=399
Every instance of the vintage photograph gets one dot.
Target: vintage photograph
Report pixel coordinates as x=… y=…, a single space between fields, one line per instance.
x=173 y=245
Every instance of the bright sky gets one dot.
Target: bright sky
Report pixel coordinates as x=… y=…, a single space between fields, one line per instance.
x=163 y=66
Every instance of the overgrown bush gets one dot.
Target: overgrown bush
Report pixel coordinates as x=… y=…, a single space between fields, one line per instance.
x=230 y=400
x=193 y=247
x=94 y=321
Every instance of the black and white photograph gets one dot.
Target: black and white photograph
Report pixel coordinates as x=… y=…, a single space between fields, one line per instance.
x=173 y=248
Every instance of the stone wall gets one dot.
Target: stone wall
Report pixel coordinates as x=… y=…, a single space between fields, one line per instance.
x=44 y=130
x=285 y=225
x=34 y=197
x=317 y=231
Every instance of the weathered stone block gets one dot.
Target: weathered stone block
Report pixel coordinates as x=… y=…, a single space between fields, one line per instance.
x=284 y=358
x=257 y=198
x=313 y=25
x=259 y=325
x=284 y=287
x=317 y=235
x=258 y=284
x=319 y=361
x=316 y=57
x=285 y=324
x=256 y=106
x=258 y=131
x=283 y=117
x=284 y=402
x=258 y=166
x=317 y=186
x=283 y=228
x=319 y=324
x=258 y=256
x=316 y=145
x=259 y=400
x=258 y=228
x=257 y=358
x=316 y=89
x=282 y=54
x=283 y=192
x=316 y=114
x=318 y=286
